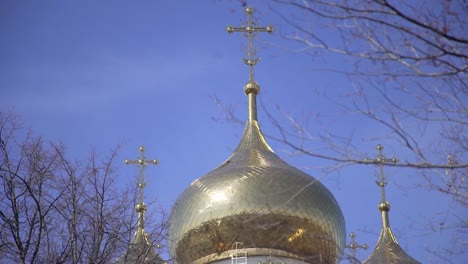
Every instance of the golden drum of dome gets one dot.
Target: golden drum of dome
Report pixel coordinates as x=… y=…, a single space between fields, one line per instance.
x=259 y=200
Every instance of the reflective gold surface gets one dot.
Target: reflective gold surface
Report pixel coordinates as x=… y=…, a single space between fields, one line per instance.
x=387 y=249
x=259 y=200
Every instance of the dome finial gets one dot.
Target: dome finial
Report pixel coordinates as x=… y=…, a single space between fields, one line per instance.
x=140 y=208
x=140 y=250
x=250 y=31
x=384 y=206
x=387 y=249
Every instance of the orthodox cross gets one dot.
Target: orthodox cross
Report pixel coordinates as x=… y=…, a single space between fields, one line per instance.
x=353 y=246
x=250 y=31
x=380 y=161
x=142 y=162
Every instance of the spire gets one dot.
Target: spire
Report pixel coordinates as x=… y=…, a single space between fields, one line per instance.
x=250 y=30
x=387 y=250
x=140 y=250
x=382 y=181
x=140 y=208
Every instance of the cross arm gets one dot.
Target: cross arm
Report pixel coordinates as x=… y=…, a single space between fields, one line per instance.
x=231 y=29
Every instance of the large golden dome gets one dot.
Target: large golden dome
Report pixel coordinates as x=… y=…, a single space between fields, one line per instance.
x=257 y=199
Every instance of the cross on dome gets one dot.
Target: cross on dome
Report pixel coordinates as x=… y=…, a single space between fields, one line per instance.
x=250 y=31
x=354 y=246
x=381 y=161
x=142 y=162
x=251 y=89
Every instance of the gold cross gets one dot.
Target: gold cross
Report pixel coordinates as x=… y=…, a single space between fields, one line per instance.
x=353 y=246
x=250 y=31
x=380 y=161
x=142 y=163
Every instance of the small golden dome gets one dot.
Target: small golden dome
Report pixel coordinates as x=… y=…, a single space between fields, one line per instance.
x=388 y=250
x=257 y=199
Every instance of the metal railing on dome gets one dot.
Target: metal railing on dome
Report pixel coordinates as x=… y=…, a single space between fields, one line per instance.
x=239 y=254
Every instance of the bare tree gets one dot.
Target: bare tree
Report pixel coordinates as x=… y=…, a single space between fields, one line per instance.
x=415 y=51
x=55 y=210
x=406 y=63
x=26 y=171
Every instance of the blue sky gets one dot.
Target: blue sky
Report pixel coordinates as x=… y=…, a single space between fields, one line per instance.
x=102 y=73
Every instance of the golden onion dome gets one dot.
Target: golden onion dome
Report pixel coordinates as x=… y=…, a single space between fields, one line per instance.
x=387 y=249
x=257 y=199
